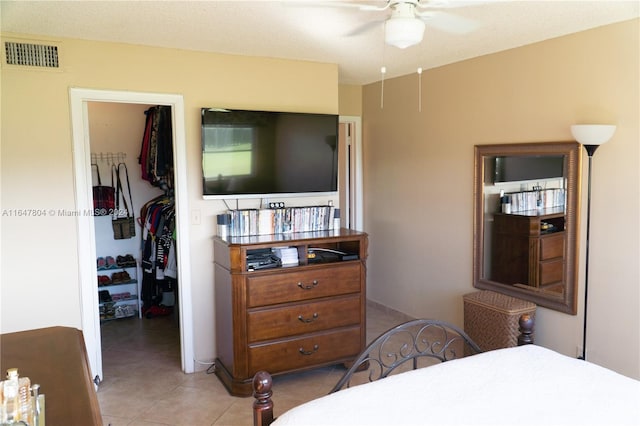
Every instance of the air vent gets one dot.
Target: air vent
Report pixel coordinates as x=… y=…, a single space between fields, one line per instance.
x=31 y=55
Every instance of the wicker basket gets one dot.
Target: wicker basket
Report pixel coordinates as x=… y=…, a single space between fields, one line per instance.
x=491 y=319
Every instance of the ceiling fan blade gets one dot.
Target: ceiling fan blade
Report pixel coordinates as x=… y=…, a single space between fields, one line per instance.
x=450 y=4
x=449 y=22
x=355 y=5
x=364 y=28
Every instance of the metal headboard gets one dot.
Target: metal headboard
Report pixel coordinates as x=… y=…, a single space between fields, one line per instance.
x=405 y=347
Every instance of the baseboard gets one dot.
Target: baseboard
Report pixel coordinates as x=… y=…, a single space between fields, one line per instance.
x=388 y=310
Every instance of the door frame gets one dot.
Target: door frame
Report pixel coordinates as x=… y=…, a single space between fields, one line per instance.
x=87 y=269
x=351 y=196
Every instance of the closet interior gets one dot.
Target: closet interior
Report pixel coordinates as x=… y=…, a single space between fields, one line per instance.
x=134 y=211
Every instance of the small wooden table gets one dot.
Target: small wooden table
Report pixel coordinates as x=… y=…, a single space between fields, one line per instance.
x=56 y=359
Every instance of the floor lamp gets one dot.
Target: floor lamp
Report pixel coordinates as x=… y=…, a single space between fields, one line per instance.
x=591 y=136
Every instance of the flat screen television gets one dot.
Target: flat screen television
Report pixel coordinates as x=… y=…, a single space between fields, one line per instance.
x=263 y=153
x=526 y=168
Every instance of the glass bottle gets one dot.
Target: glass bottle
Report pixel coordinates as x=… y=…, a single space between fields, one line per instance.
x=10 y=389
x=25 y=409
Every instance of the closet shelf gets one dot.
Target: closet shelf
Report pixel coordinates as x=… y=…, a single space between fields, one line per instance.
x=112 y=284
x=119 y=268
x=126 y=299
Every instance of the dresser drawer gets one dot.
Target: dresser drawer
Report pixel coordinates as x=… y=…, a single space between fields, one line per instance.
x=551 y=271
x=552 y=246
x=300 y=318
x=306 y=351
x=294 y=286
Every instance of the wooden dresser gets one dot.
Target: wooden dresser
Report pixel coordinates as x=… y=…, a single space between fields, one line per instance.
x=528 y=248
x=290 y=318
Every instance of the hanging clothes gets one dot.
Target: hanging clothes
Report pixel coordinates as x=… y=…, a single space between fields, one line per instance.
x=156 y=152
x=158 y=259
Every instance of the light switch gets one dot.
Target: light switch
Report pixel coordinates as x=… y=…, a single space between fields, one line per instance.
x=195 y=217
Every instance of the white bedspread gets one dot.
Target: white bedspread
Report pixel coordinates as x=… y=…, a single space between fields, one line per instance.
x=527 y=385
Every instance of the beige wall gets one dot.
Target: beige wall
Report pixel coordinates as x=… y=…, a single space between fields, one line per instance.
x=40 y=285
x=350 y=100
x=418 y=170
x=418 y=179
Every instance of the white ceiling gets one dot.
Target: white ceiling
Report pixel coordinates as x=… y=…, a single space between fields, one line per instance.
x=281 y=29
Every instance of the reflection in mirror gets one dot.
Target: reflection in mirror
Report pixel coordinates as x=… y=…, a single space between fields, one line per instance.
x=525 y=200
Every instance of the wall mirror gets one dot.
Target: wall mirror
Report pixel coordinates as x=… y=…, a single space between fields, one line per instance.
x=525 y=221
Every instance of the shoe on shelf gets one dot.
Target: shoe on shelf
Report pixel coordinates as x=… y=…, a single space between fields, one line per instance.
x=126 y=261
x=111 y=263
x=104 y=296
x=120 y=277
x=124 y=311
x=102 y=263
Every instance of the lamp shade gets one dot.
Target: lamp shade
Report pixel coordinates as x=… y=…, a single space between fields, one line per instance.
x=592 y=134
x=403 y=32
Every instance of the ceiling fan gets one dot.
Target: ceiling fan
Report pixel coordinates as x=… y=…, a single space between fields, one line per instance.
x=406 y=24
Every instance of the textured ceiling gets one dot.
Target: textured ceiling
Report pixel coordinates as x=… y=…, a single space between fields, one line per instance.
x=295 y=30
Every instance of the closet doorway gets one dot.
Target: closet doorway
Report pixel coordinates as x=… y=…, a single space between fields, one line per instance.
x=92 y=233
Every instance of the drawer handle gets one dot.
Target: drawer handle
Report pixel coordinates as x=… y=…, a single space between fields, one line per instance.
x=308 y=320
x=308 y=287
x=315 y=349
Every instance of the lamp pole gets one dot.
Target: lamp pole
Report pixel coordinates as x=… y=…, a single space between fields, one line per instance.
x=591 y=149
x=591 y=136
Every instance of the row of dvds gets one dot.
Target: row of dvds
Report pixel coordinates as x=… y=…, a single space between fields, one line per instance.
x=282 y=220
x=532 y=200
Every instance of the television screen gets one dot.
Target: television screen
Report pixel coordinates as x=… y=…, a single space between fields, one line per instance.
x=531 y=167
x=259 y=153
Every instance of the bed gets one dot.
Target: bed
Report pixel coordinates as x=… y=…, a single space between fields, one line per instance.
x=524 y=385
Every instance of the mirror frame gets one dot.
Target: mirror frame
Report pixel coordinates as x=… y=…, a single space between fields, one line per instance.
x=567 y=302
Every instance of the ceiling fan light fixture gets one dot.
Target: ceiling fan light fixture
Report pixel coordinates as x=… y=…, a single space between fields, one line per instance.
x=403 y=32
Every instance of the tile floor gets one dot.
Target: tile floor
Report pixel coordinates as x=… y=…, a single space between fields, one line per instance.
x=144 y=386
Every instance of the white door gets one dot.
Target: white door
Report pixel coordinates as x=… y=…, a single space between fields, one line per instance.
x=87 y=270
